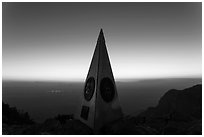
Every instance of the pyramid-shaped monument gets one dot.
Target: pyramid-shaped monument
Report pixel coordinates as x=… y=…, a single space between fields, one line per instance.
x=100 y=103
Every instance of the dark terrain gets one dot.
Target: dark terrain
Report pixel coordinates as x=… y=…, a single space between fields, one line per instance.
x=179 y=112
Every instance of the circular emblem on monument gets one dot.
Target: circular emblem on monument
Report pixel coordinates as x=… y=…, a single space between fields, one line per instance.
x=89 y=88
x=107 y=89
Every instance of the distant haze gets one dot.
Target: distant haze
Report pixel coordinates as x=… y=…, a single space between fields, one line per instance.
x=56 y=41
x=44 y=100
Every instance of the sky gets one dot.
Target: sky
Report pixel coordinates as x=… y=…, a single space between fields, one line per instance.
x=56 y=41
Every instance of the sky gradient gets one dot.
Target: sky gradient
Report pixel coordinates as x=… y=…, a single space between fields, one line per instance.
x=56 y=41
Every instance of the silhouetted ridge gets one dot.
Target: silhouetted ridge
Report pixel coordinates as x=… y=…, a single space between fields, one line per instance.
x=177 y=112
x=10 y=115
x=187 y=102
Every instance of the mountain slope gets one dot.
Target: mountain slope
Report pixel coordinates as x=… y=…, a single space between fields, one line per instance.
x=177 y=111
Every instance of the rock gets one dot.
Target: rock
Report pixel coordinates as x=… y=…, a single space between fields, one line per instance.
x=127 y=126
x=176 y=111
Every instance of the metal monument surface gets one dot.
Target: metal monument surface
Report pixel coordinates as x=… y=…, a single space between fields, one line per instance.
x=100 y=103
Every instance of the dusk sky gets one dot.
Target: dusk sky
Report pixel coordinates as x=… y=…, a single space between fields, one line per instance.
x=56 y=41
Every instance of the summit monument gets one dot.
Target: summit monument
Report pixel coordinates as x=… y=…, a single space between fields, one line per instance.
x=100 y=103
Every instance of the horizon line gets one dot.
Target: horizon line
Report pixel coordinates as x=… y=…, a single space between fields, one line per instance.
x=83 y=80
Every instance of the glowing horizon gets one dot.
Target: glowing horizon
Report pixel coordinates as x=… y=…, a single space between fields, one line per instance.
x=54 y=41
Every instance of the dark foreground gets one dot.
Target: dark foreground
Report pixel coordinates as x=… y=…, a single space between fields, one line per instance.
x=179 y=112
